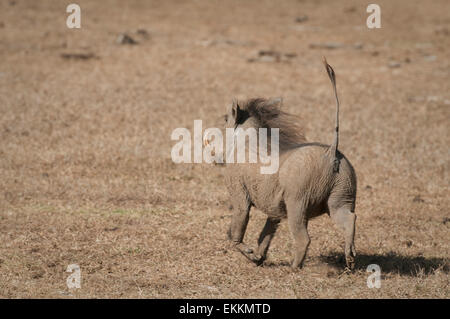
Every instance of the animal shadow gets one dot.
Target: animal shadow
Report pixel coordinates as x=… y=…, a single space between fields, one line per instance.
x=392 y=263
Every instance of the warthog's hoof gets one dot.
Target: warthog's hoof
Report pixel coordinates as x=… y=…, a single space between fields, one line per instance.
x=248 y=252
x=350 y=262
x=296 y=267
x=260 y=261
x=244 y=249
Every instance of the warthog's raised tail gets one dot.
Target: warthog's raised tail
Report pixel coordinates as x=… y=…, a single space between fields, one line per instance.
x=334 y=146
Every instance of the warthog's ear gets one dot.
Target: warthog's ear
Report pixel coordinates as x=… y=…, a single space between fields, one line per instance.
x=274 y=102
x=237 y=113
x=235 y=109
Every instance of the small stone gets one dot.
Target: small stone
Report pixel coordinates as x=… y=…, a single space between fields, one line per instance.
x=301 y=19
x=78 y=56
x=442 y=31
x=290 y=55
x=350 y=9
x=418 y=199
x=124 y=38
x=143 y=33
x=268 y=53
x=328 y=46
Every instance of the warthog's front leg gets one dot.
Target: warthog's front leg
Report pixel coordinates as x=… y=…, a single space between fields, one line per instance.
x=236 y=235
x=248 y=252
x=244 y=249
x=239 y=222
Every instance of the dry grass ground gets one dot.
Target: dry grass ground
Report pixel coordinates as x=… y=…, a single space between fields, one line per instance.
x=86 y=173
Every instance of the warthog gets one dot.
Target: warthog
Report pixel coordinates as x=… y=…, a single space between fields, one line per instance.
x=312 y=179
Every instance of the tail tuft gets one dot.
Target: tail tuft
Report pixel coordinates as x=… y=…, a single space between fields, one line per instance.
x=334 y=146
x=330 y=71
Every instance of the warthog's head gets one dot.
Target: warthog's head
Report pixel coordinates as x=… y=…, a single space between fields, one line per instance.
x=259 y=113
x=265 y=113
x=239 y=115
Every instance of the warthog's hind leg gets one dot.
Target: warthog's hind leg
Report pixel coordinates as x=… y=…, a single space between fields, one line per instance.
x=298 y=223
x=266 y=237
x=345 y=220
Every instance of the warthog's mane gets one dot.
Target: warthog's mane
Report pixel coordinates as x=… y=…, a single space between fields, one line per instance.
x=269 y=115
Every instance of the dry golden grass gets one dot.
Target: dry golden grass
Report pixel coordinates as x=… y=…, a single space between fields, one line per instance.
x=86 y=174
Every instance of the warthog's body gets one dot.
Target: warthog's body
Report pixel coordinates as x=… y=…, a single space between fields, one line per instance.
x=312 y=179
x=304 y=174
